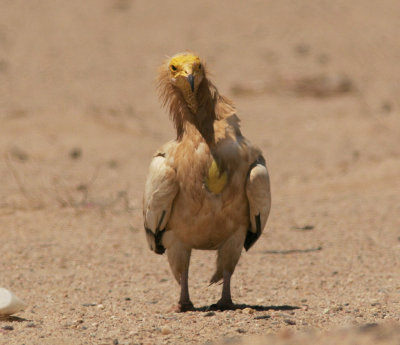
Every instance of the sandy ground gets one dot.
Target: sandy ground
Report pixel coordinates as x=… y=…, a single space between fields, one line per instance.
x=317 y=87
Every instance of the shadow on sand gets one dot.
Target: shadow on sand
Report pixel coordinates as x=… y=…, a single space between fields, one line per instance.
x=214 y=307
x=12 y=319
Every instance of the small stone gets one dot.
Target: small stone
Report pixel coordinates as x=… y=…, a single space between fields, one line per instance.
x=248 y=311
x=77 y=322
x=323 y=59
x=290 y=322
x=241 y=330
x=31 y=325
x=386 y=106
x=374 y=302
x=19 y=154
x=262 y=317
x=302 y=49
x=326 y=311
x=75 y=153
x=8 y=328
x=100 y=306
x=115 y=342
x=210 y=313
x=166 y=330
x=128 y=299
x=306 y=227
x=113 y=164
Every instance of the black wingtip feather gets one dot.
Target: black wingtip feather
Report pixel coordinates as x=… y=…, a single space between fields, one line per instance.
x=252 y=237
x=160 y=249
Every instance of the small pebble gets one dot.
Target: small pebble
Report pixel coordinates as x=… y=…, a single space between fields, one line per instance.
x=305 y=227
x=374 y=302
x=100 y=306
x=248 y=311
x=386 y=106
x=166 y=330
x=19 y=154
x=210 y=313
x=323 y=59
x=290 y=322
x=262 y=317
x=113 y=164
x=8 y=328
x=302 y=49
x=75 y=153
x=241 y=330
x=115 y=342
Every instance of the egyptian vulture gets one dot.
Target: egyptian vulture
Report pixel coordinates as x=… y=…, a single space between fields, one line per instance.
x=209 y=188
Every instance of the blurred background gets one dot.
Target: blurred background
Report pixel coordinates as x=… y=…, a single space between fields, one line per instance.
x=81 y=76
x=316 y=85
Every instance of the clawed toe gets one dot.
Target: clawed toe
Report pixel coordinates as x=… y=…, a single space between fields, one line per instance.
x=183 y=307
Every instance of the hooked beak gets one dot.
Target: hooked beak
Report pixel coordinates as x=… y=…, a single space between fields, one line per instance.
x=190 y=79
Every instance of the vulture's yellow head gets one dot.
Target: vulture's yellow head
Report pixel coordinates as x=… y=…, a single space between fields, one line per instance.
x=186 y=73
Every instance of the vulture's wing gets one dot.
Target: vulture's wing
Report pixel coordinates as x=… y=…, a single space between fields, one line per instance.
x=160 y=190
x=259 y=197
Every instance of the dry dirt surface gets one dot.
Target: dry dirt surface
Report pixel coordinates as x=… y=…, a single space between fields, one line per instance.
x=316 y=84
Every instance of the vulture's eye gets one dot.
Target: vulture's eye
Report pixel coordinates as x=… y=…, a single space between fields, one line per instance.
x=173 y=68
